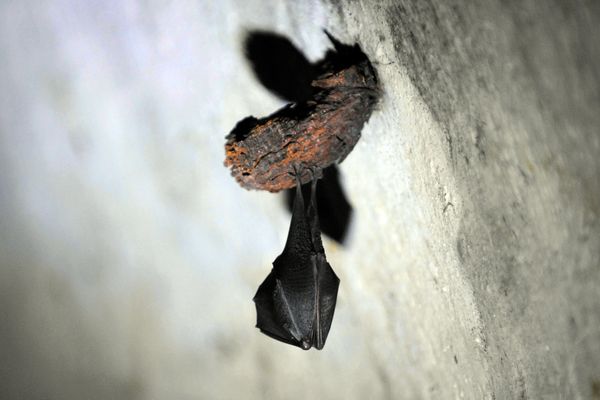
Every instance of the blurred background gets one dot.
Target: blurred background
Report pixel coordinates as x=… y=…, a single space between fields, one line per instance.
x=129 y=256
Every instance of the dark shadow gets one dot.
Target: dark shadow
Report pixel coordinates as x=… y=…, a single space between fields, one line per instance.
x=279 y=65
x=334 y=210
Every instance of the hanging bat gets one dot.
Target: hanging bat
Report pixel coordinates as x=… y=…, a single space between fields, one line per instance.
x=296 y=301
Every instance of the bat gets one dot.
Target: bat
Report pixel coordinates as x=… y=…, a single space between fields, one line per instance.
x=296 y=302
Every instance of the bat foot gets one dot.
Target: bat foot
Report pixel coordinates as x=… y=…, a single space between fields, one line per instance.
x=299 y=170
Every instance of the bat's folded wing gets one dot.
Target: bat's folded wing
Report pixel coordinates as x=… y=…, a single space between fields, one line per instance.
x=266 y=320
x=328 y=284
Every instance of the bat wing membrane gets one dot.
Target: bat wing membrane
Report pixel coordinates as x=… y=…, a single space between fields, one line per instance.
x=328 y=284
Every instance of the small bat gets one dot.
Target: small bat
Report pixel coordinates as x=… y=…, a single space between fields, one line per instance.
x=295 y=303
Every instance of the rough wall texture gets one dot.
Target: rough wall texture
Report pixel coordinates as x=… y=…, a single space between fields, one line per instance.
x=129 y=257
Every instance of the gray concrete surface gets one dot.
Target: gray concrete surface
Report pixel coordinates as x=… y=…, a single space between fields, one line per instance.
x=129 y=257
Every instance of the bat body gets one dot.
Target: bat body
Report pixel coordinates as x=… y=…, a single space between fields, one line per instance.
x=296 y=302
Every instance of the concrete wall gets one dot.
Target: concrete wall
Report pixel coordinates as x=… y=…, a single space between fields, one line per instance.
x=129 y=256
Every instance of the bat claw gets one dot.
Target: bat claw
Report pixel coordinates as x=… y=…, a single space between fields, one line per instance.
x=298 y=170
